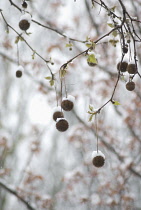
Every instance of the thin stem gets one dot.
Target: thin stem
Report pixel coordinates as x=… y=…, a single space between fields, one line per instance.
x=87 y=50
x=48 y=27
x=61 y=91
x=18 y=57
x=13 y=4
x=66 y=92
x=55 y=86
x=13 y=192
x=34 y=51
x=96 y=132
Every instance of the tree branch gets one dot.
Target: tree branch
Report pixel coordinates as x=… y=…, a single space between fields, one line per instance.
x=108 y=146
x=13 y=192
x=13 y=4
x=48 y=27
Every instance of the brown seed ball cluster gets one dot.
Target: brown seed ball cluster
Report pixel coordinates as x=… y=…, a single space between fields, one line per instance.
x=98 y=161
x=122 y=66
x=67 y=105
x=57 y=114
x=62 y=125
x=130 y=86
x=24 y=25
x=19 y=73
x=131 y=68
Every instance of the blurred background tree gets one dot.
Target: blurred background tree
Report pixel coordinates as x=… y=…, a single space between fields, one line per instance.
x=70 y=48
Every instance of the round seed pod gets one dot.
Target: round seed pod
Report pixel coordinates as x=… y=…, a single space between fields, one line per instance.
x=128 y=41
x=19 y=73
x=24 y=25
x=125 y=49
x=58 y=114
x=68 y=103
x=98 y=159
x=62 y=124
x=130 y=86
x=24 y=5
x=122 y=66
x=131 y=68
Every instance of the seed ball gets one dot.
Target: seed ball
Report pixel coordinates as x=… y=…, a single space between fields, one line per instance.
x=67 y=105
x=18 y=73
x=122 y=66
x=98 y=161
x=24 y=5
x=62 y=125
x=125 y=49
x=130 y=86
x=131 y=68
x=24 y=25
x=98 y=158
x=57 y=114
x=128 y=41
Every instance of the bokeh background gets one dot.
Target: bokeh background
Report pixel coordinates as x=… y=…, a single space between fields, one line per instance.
x=51 y=169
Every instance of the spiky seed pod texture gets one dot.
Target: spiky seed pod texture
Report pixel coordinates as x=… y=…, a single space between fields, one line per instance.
x=98 y=158
x=24 y=24
x=57 y=114
x=131 y=68
x=122 y=66
x=67 y=105
x=130 y=86
x=62 y=124
x=19 y=73
x=98 y=161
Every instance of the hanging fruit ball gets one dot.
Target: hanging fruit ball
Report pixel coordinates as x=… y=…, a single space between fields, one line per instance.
x=132 y=68
x=122 y=66
x=125 y=49
x=24 y=5
x=62 y=124
x=98 y=159
x=128 y=41
x=19 y=71
x=130 y=86
x=68 y=103
x=57 y=113
x=24 y=23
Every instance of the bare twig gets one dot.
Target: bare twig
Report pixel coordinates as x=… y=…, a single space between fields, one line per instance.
x=13 y=192
x=48 y=27
x=108 y=146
